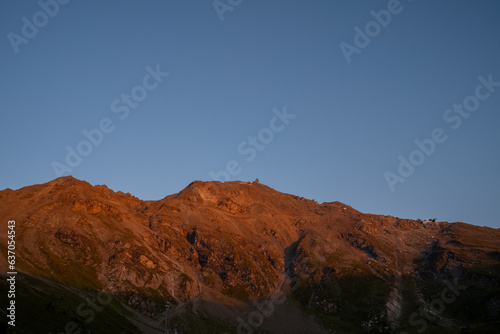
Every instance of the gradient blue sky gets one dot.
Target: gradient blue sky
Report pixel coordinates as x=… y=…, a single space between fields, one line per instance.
x=353 y=120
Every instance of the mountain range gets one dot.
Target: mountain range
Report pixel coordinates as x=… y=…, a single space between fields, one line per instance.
x=239 y=257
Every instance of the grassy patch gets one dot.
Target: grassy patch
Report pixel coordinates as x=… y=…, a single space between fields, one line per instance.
x=45 y=306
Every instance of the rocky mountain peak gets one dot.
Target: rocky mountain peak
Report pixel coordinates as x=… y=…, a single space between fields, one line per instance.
x=214 y=249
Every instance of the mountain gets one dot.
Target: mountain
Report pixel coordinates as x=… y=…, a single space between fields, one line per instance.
x=240 y=257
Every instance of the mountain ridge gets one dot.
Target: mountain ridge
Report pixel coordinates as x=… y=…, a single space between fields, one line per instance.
x=213 y=249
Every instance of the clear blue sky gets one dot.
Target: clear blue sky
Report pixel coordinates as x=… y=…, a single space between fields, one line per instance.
x=353 y=120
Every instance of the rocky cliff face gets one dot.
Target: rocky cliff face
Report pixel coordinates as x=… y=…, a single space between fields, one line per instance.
x=242 y=257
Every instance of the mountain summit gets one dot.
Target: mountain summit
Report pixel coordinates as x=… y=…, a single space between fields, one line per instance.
x=241 y=257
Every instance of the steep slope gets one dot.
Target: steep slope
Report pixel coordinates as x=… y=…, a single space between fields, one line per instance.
x=242 y=257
